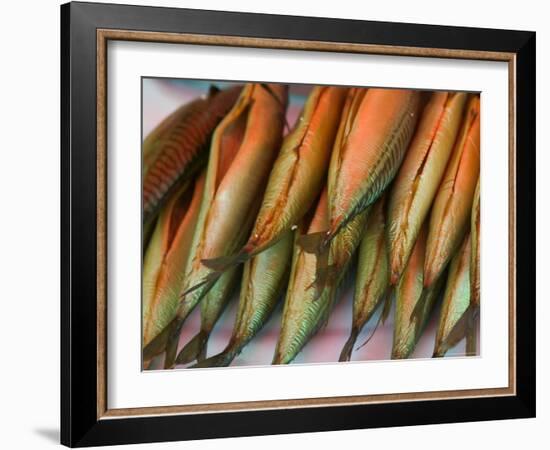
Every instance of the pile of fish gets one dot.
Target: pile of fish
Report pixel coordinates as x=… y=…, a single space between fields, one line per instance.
x=381 y=182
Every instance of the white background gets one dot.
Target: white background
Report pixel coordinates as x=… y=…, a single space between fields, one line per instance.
x=29 y=183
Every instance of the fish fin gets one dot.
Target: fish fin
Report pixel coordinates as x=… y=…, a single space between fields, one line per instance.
x=326 y=276
x=347 y=350
x=416 y=314
x=195 y=349
x=313 y=242
x=460 y=330
x=383 y=316
x=222 y=359
x=211 y=279
x=158 y=344
x=224 y=263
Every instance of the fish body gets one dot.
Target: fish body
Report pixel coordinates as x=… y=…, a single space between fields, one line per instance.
x=414 y=303
x=297 y=176
x=179 y=145
x=212 y=306
x=372 y=279
x=166 y=257
x=243 y=149
x=420 y=174
x=305 y=312
x=452 y=207
x=264 y=278
x=456 y=301
x=368 y=151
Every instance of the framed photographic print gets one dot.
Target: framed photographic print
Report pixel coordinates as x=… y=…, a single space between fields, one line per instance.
x=276 y=224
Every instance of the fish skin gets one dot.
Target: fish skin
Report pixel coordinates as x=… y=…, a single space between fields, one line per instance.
x=165 y=259
x=212 y=306
x=474 y=264
x=303 y=313
x=264 y=278
x=297 y=175
x=418 y=179
x=245 y=142
x=414 y=303
x=452 y=207
x=372 y=279
x=179 y=147
x=456 y=301
x=369 y=150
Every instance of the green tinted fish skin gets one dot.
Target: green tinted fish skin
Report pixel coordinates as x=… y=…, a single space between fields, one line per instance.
x=419 y=176
x=212 y=306
x=166 y=256
x=414 y=303
x=243 y=149
x=264 y=278
x=372 y=277
x=474 y=263
x=179 y=147
x=304 y=314
x=456 y=301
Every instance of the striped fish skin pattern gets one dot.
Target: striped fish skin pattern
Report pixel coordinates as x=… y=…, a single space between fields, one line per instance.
x=371 y=153
x=452 y=207
x=177 y=147
x=372 y=278
x=264 y=278
x=304 y=313
x=420 y=174
x=456 y=300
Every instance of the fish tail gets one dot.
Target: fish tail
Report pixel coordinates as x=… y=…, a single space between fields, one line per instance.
x=165 y=341
x=224 y=263
x=464 y=327
x=418 y=310
x=347 y=350
x=315 y=243
x=383 y=316
x=326 y=276
x=195 y=349
x=222 y=359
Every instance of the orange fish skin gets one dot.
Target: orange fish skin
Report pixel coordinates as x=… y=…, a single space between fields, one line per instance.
x=451 y=211
x=174 y=150
x=370 y=151
x=419 y=176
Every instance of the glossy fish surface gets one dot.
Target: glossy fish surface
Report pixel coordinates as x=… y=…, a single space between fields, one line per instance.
x=265 y=277
x=456 y=301
x=305 y=312
x=420 y=174
x=372 y=277
x=297 y=175
x=451 y=211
